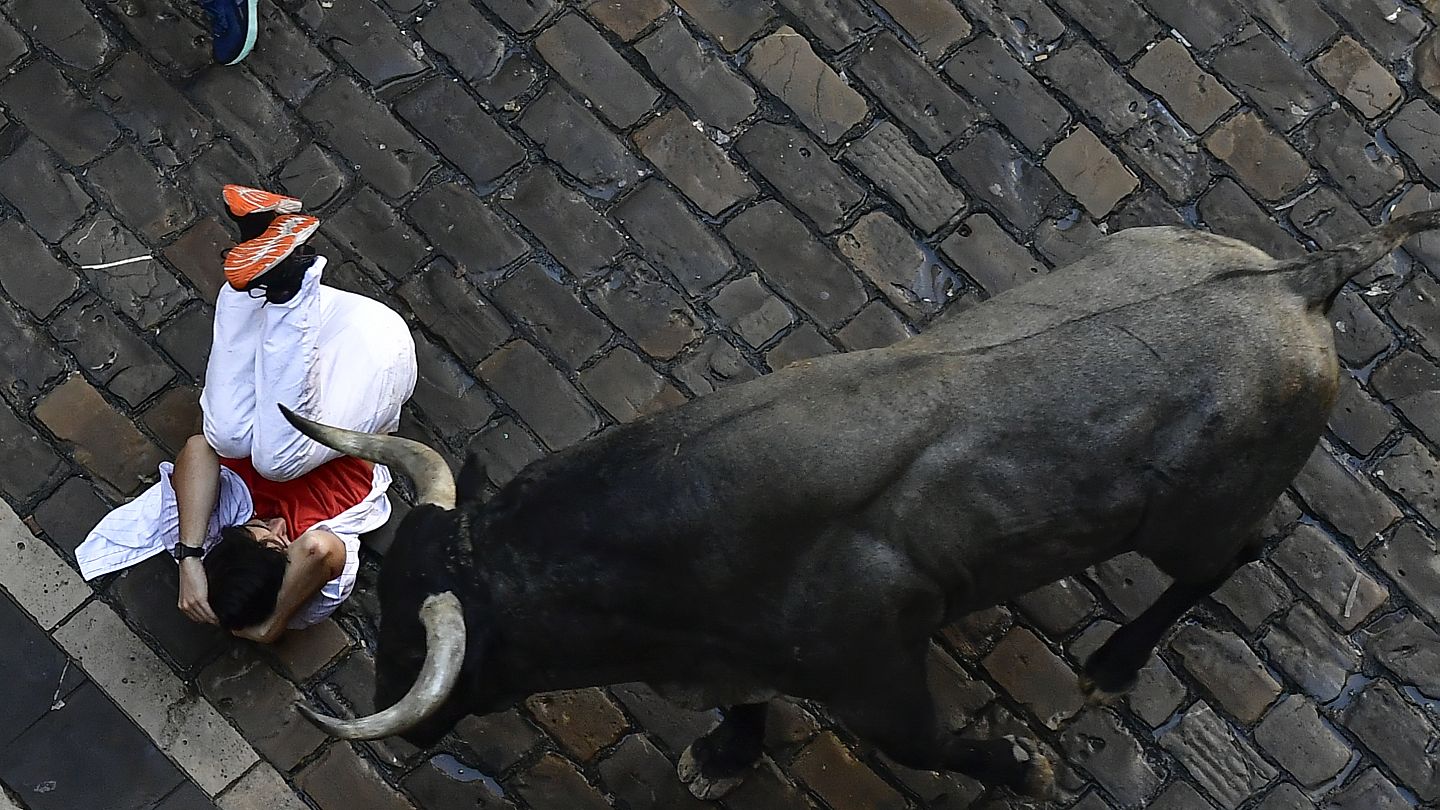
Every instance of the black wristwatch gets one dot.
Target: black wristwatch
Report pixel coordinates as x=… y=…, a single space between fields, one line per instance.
x=181 y=551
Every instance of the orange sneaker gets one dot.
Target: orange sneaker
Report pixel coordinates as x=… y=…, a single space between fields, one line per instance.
x=244 y=201
x=248 y=261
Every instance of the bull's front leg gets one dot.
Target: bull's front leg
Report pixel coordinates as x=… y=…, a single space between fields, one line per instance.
x=716 y=764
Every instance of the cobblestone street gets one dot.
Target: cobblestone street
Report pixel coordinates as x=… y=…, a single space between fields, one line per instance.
x=592 y=210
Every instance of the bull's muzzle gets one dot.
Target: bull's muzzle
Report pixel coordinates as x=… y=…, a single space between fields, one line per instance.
x=444 y=622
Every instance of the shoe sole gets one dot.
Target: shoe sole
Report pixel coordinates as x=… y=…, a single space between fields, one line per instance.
x=248 y=261
x=244 y=201
x=252 y=28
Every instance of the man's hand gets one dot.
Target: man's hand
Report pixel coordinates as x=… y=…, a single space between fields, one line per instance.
x=195 y=592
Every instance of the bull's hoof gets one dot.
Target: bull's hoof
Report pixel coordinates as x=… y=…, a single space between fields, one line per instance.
x=703 y=786
x=1096 y=695
x=1038 y=776
x=1106 y=676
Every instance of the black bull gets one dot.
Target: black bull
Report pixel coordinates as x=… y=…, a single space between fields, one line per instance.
x=806 y=533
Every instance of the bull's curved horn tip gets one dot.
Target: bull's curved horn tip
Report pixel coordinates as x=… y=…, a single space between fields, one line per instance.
x=334 y=725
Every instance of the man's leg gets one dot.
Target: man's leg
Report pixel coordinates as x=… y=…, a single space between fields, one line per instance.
x=228 y=399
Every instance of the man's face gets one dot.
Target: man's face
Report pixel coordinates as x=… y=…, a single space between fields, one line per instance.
x=272 y=533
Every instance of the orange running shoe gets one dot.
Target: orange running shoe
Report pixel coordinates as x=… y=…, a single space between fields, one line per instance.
x=244 y=201
x=248 y=261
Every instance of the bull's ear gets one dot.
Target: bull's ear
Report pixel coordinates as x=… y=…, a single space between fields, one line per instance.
x=472 y=476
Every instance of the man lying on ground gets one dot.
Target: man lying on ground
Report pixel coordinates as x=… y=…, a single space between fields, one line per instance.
x=264 y=522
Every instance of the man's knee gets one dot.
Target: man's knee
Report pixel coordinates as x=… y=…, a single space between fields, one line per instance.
x=230 y=444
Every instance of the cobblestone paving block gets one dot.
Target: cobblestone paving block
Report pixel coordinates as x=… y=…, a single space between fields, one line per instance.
x=1169 y=154
x=77 y=414
x=914 y=181
x=1324 y=216
x=349 y=691
x=1370 y=791
x=1343 y=590
x=1278 y=88
x=69 y=513
x=1081 y=73
x=1059 y=607
x=981 y=249
x=674 y=727
x=671 y=237
x=1355 y=74
x=1409 y=471
x=627 y=18
x=186 y=340
x=562 y=220
x=314 y=176
x=828 y=768
x=1131 y=582
x=908 y=90
x=627 y=388
x=369 y=136
x=152 y=204
x=12 y=45
x=1181 y=796
x=539 y=394
x=38 y=96
x=1411 y=650
x=143 y=102
x=1416 y=307
x=364 y=36
x=262 y=704
x=552 y=313
x=1035 y=676
x=1425 y=247
x=554 y=782
x=1427 y=63
x=1409 y=558
x=499 y=740
x=1261 y=158
x=146 y=292
x=46 y=587
x=285 y=57
x=1197 y=98
x=801 y=170
x=467 y=40
x=173 y=417
x=821 y=99
x=1399 y=733
x=934 y=25
x=874 y=327
x=440 y=297
x=1144 y=209
x=751 y=311
x=802 y=269
x=1302 y=743
x=208 y=174
x=465 y=230
x=1091 y=172
x=463 y=133
x=1360 y=335
x=45 y=283
x=691 y=161
x=522 y=15
x=1285 y=796
x=341 y=779
x=837 y=24
x=1008 y=92
x=1313 y=656
x=1225 y=765
x=1388 y=33
x=1203 y=26
x=1122 y=26
x=636 y=300
x=1102 y=747
x=1253 y=594
x=1325 y=483
x=1359 y=420
x=1413 y=130
x=445 y=781
x=111 y=354
x=574 y=138
x=197 y=255
x=583 y=721
x=712 y=365
x=145 y=596
x=1344 y=148
x=803 y=343
x=999 y=174
x=302 y=653
x=372 y=231
x=51 y=201
x=448 y=395
x=582 y=57
x=1227 y=669
x=254 y=120
x=884 y=252
x=1229 y=211
x=706 y=84
x=641 y=776
x=731 y=23
x=1301 y=24
x=261 y=788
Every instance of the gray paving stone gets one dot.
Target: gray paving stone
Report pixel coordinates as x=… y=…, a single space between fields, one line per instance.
x=554 y=781
x=1409 y=471
x=751 y=311
x=1131 y=582
x=582 y=57
x=1310 y=653
x=146 y=292
x=1359 y=420
x=1180 y=796
x=1229 y=211
x=935 y=25
x=1356 y=163
x=876 y=326
x=1427 y=61
x=286 y=58
x=1390 y=36
x=1413 y=130
x=363 y=35
x=671 y=238
x=49 y=198
x=803 y=343
x=46 y=282
x=690 y=160
x=837 y=24
x=369 y=136
x=450 y=307
x=69 y=513
x=803 y=173
x=1122 y=27
x=1355 y=74
x=1411 y=650
x=1106 y=750
x=562 y=220
x=802 y=269
x=244 y=688
x=1197 y=98
x=573 y=137
x=884 y=252
x=39 y=97
x=341 y=778
x=174 y=417
x=1370 y=791
x=147 y=201
x=1408 y=557
x=539 y=394
x=1278 y=88
x=465 y=229
x=110 y=353
x=1224 y=764
x=197 y=254
x=1398 y=733
x=552 y=313
x=1227 y=669
x=627 y=18
x=1346 y=593
x=1203 y=26
x=142 y=101
x=445 y=781
x=1169 y=154
x=1144 y=209
x=315 y=176
x=731 y=23
x=12 y=45
x=1081 y=73
x=522 y=15
x=465 y=38
x=913 y=94
x=999 y=174
x=460 y=131
x=1302 y=24
x=1417 y=308
x=254 y=120
x=981 y=249
x=186 y=340
x=712 y=365
x=1424 y=247
x=1302 y=743
x=913 y=180
x=1360 y=335
x=821 y=99
x=637 y=300
x=1412 y=384
x=1348 y=501
x=369 y=229
x=627 y=388
x=1253 y=594
x=448 y=396
x=1285 y=796
x=1004 y=88
x=706 y=84
x=641 y=775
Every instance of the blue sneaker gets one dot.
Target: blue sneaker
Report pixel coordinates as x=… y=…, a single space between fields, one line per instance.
x=232 y=28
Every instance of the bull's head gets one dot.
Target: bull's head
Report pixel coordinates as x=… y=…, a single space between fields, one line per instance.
x=417 y=592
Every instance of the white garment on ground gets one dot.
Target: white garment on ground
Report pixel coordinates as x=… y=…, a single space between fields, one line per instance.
x=329 y=355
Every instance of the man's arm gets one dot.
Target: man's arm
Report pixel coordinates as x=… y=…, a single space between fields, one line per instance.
x=196 y=480
x=316 y=557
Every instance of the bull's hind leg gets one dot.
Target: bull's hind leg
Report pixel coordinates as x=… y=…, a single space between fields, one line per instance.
x=717 y=763
x=1115 y=667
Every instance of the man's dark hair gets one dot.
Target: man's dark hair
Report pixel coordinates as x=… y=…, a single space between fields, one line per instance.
x=244 y=578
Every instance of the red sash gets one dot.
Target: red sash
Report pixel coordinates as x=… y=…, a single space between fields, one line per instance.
x=318 y=495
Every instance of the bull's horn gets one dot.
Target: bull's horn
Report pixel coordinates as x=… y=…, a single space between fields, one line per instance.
x=424 y=467
x=444 y=655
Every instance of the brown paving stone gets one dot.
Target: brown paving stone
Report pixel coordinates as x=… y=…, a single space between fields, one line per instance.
x=553 y=781
x=1090 y=172
x=1227 y=669
x=911 y=179
x=103 y=441
x=1261 y=158
x=635 y=299
x=262 y=704
x=829 y=769
x=1409 y=470
x=627 y=18
x=884 y=252
x=935 y=25
x=1195 y=96
x=1004 y=88
x=174 y=416
x=1355 y=74
x=471 y=44
x=340 y=779
x=583 y=721
x=1035 y=676
x=690 y=160
x=786 y=65
x=302 y=653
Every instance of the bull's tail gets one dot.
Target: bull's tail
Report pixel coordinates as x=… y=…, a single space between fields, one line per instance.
x=1319 y=276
